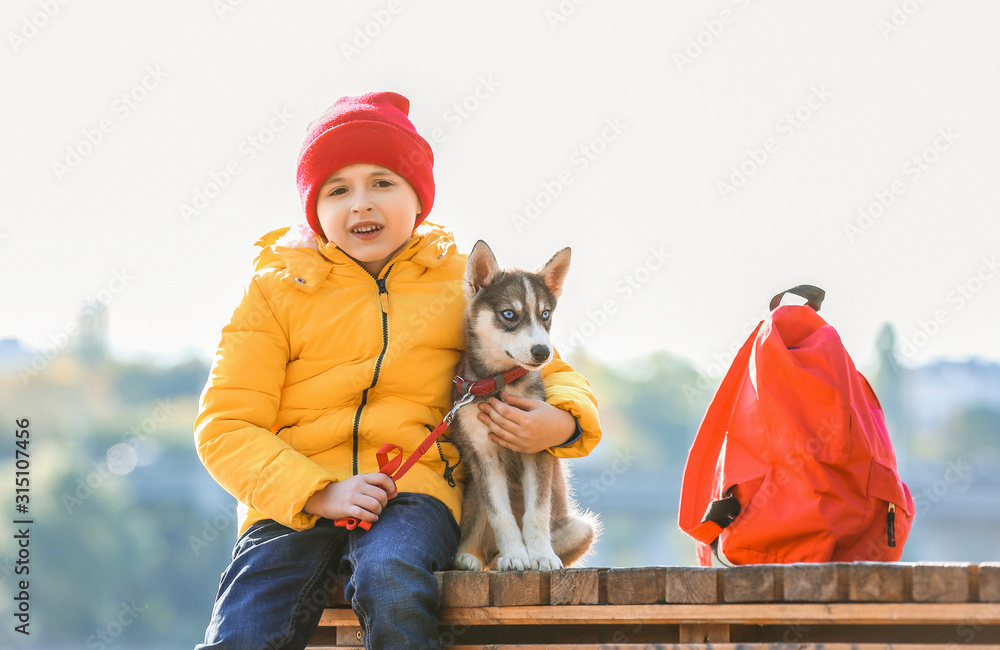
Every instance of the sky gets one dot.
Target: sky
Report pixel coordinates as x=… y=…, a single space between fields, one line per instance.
x=698 y=157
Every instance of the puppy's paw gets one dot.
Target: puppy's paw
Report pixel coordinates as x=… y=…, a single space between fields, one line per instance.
x=466 y=562
x=513 y=563
x=546 y=562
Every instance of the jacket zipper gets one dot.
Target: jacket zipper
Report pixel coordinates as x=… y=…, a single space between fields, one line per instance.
x=383 y=296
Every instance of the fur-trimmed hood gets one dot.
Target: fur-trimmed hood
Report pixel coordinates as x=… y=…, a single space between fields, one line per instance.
x=300 y=235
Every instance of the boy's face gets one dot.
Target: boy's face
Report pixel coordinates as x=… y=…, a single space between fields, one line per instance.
x=368 y=211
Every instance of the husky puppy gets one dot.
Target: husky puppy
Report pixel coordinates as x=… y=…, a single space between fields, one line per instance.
x=517 y=509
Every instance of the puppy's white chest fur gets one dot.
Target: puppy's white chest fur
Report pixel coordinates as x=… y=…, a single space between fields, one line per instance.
x=476 y=431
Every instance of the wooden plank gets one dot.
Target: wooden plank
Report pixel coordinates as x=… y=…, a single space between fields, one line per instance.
x=989 y=582
x=815 y=583
x=704 y=633
x=941 y=582
x=877 y=582
x=350 y=637
x=336 y=597
x=575 y=587
x=635 y=586
x=721 y=646
x=514 y=588
x=758 y=583
x=735 y=614
x=465 y=589
x=691 y=585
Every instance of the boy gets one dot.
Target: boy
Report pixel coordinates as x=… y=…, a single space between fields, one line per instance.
x=347 y=338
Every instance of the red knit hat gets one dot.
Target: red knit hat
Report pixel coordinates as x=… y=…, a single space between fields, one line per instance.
x=372 y=128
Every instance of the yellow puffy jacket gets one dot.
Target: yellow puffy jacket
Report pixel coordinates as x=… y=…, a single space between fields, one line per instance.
x=322 y=363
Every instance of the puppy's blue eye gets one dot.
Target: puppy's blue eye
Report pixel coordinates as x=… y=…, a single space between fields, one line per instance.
x=545 y=314
x=508 y=314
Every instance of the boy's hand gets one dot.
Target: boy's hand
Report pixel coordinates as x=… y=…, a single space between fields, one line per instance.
x=362 y=497
x=525 y=425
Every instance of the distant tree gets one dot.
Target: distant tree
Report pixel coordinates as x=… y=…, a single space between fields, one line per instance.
x=659 y=400
x=110 y=543
x=972 y=432
x=143 y=382
x=91 y=344
x=888 y=385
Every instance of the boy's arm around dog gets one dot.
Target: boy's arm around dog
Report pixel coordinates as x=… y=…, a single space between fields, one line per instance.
x=567 y=389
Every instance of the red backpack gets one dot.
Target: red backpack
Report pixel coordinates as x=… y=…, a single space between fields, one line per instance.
x=792 y=462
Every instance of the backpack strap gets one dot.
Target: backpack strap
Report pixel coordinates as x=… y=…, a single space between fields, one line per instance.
x=813 y=295
x=723 y=512
x=700 y=515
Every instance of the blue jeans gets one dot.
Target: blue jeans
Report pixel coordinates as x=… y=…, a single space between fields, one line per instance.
x=273 y=593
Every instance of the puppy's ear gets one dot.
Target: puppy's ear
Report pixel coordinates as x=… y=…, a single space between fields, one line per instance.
x=554 y=272
x=480 y=268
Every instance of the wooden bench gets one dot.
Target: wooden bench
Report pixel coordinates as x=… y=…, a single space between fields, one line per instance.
x=828 y=606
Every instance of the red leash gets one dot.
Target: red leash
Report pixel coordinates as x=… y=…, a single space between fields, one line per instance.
x=395 y=467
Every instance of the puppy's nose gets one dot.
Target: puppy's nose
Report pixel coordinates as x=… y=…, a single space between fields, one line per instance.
x=539 y=352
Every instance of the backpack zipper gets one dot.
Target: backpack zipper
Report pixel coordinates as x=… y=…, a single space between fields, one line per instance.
x=383 y=295
x=891 y=517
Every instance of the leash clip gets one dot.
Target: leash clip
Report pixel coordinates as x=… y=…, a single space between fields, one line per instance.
x=466 y=399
